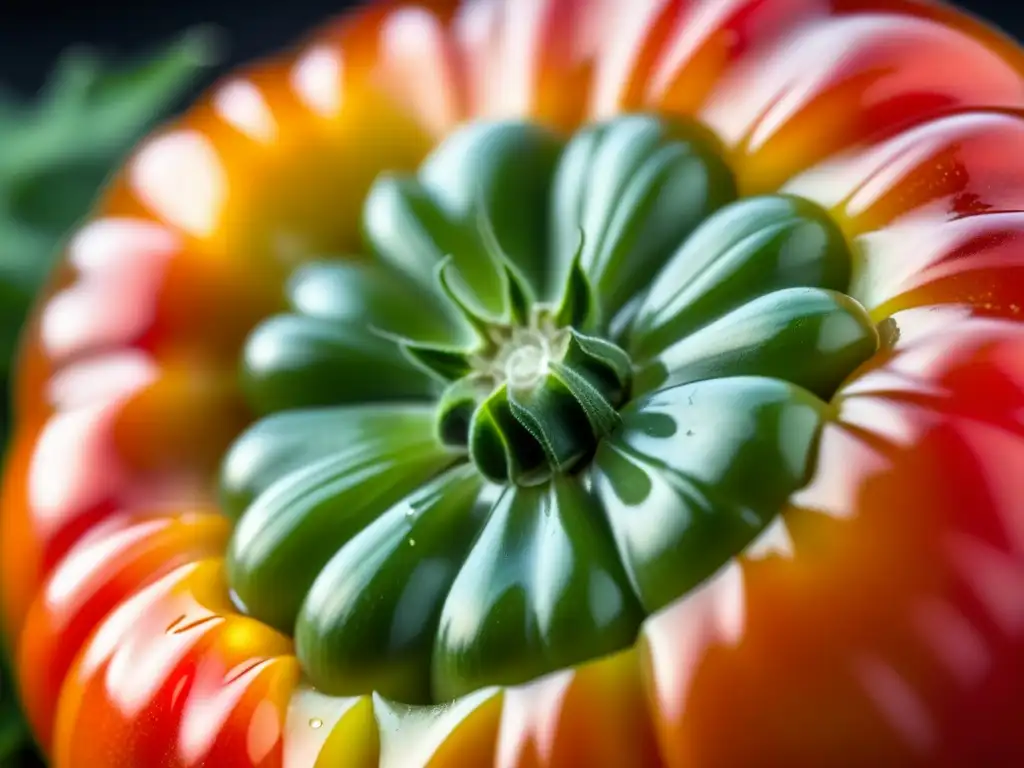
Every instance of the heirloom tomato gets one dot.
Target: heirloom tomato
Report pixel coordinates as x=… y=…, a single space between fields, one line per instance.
x=542 y=383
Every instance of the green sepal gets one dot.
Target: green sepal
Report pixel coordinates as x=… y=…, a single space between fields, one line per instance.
x=347 y=291
x=811 y=337
x=601 y=415
x=747 y=249
x=502 y=449
x=456 y=407
x=490 y=169
x=697 y=471
x=551 y=413
x=605 y=365
x=637 y=185
x=343 y=341
x=455 y=291
x=443 y=364
x=278 y=445
x=542 y=589
x=502 y=168
x=519 y=296
x=440 y=362
x=577 y=306
x=406 y=229
x=559 y=410
x=291 y=361
x=369 y=620
x=296 y=524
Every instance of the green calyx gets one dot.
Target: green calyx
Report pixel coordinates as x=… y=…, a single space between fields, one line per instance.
x=570 y=380
x=557 y=399
x=532 y=396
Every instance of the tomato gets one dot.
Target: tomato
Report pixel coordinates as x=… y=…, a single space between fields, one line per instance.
x=547 y=383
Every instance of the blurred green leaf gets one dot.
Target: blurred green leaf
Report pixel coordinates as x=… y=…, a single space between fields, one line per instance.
x=16 y=747
x=56 y=152
x=55 y=155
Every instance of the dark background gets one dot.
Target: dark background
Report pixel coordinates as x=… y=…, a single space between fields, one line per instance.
x=34 y=32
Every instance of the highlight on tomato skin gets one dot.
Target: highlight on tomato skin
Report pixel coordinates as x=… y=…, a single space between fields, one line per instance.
x=705 y=446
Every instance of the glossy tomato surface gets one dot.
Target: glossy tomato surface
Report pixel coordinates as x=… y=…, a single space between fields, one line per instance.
x=872 y=611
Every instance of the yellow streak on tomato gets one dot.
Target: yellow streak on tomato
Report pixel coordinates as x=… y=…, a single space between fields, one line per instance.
x=166 y=676
x=595 y=714
x=117 y=557
x=446 y=736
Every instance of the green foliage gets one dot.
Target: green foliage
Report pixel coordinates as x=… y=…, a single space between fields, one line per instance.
x=16 y=747
x=56 y=153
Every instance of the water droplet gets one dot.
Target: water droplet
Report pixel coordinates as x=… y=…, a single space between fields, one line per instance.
x=316 y=723
x=412 y=542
